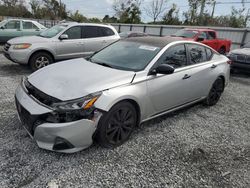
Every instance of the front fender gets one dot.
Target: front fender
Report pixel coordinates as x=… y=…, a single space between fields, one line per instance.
x=135 y=92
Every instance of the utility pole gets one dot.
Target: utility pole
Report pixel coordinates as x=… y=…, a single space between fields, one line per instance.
x=247 y=17
x=203 y=2
x=60 y=9
x=214 y=4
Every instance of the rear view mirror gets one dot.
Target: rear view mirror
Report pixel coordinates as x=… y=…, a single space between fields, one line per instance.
x=63 y=37
x=162 y=69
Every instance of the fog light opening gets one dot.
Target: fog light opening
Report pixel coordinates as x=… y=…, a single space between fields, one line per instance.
x=62 y=144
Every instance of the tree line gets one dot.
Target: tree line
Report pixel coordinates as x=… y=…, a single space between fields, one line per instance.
x=200 y=12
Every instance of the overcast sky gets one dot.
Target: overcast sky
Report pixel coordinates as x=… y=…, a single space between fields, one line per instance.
x=99 y=8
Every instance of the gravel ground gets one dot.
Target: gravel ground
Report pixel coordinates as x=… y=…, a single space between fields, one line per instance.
x=194 y=147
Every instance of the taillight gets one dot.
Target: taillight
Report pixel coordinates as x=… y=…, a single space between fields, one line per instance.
x=229 y=62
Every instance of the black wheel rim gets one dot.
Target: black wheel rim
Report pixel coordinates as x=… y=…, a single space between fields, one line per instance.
x=120 y=125
x=216 y=91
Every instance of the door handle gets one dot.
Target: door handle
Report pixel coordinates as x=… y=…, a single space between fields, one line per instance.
x=104 y=41
x=213 y=66
x=186 y=76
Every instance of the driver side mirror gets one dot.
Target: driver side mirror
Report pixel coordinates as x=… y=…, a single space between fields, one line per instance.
x=162 y=69
x=63 y=37
x=2 y=27
x=200 y=39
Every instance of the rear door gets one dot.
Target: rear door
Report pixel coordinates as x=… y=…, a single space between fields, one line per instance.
x=29 y=28
x=96 y=38
x=202 y=70
x=71 y=47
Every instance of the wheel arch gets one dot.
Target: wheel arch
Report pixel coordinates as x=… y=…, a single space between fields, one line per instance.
x=106 y=107
x=223 y=79
x=41 y=50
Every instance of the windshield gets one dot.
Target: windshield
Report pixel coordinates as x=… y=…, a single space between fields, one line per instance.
x=3 y=22
x=185 y=33
x=53 y=31
x=125 y=55
x=247 y=45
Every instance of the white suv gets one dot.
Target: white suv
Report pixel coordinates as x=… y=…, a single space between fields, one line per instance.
x=63 y=41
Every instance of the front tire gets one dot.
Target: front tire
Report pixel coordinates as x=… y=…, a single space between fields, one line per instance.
x=40 y=60
x=215 y=92
x=116 y=126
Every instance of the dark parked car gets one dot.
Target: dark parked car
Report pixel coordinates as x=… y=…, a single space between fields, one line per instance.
x=240 y=58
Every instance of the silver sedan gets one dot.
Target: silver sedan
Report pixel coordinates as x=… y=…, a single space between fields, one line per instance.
x=66 y=106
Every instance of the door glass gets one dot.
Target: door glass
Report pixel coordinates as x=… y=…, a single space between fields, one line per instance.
x=175 y=56
x=209 y=54
x=203 y=35
x=104 y=31
x=211 y=35
x=14 y=24
x=29 y=25
x=197 y=53
x=74 y=32
x=91 y=32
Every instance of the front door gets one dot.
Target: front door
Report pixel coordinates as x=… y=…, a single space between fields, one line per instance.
x=71 y=47
x=169 y=91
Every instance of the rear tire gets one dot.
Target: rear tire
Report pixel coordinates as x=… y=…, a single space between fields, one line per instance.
x=40 y=60
x=215 y=92
x=117 y=125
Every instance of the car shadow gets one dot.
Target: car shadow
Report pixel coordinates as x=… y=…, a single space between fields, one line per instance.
x=240 y=74
x=12 y=69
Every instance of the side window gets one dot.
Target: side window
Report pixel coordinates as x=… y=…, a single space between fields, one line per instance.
x=203 y=35
x=211 y=35
x=13 y=24
x=197 y=53
x=29 y=25
x=91 y=32
x=175 y=56
x=209 y=54
x=74 y=32
x=104 y=31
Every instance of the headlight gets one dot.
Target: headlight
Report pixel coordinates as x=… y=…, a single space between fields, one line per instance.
x=21 y=46
x=78 y=104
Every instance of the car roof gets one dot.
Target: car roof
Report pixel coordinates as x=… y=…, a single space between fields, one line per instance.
x=85 y=24
x=198 y=29
x=154 y=41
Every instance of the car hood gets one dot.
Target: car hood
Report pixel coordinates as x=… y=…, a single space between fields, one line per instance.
x=77 y=78
x=28 y=39
x=244 y=51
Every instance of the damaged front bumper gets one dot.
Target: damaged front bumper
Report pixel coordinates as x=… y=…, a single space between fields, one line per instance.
x=67 y=137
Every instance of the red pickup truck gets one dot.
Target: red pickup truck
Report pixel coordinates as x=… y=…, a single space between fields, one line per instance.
x=205 y=36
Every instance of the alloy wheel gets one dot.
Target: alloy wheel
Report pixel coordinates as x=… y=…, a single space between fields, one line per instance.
x=41 y=62
x=120 y=125
x=215 y=92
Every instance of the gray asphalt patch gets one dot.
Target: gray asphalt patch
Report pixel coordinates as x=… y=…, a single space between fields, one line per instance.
x=195 y=147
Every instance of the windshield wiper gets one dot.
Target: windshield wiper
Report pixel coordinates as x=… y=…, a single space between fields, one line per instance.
x=99 y=63
x=104 y=64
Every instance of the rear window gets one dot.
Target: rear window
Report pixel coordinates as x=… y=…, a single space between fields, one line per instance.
x=90 y=32
x=105 y=31
x=197 y=53
x=186 y=33
x=209 y=54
